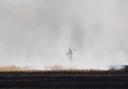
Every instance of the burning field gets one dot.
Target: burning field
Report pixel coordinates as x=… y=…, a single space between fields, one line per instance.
x=17 y=78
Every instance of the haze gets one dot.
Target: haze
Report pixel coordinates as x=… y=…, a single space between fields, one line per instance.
x=38 y=33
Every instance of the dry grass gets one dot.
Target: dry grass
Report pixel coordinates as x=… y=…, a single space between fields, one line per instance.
x=14 y=68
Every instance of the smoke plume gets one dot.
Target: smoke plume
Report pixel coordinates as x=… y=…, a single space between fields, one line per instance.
x=38 y=33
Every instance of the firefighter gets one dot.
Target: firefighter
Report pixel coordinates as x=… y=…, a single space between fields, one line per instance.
x=70 y=53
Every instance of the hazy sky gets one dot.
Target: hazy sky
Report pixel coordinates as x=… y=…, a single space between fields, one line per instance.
x=39 y=33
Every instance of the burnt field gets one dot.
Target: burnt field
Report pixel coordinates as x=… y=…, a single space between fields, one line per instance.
x=64 y=80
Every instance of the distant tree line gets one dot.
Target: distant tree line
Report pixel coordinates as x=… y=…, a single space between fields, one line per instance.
x=119 y=67
x=125 y=68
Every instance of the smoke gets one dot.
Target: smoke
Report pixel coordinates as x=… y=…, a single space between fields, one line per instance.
x=39 y=33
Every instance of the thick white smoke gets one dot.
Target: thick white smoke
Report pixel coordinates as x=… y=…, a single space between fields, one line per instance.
x=39 y=33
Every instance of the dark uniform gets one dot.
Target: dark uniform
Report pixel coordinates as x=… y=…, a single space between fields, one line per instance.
x=70 y=54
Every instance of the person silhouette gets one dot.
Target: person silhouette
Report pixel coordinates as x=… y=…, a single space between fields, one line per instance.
x=70 y=54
